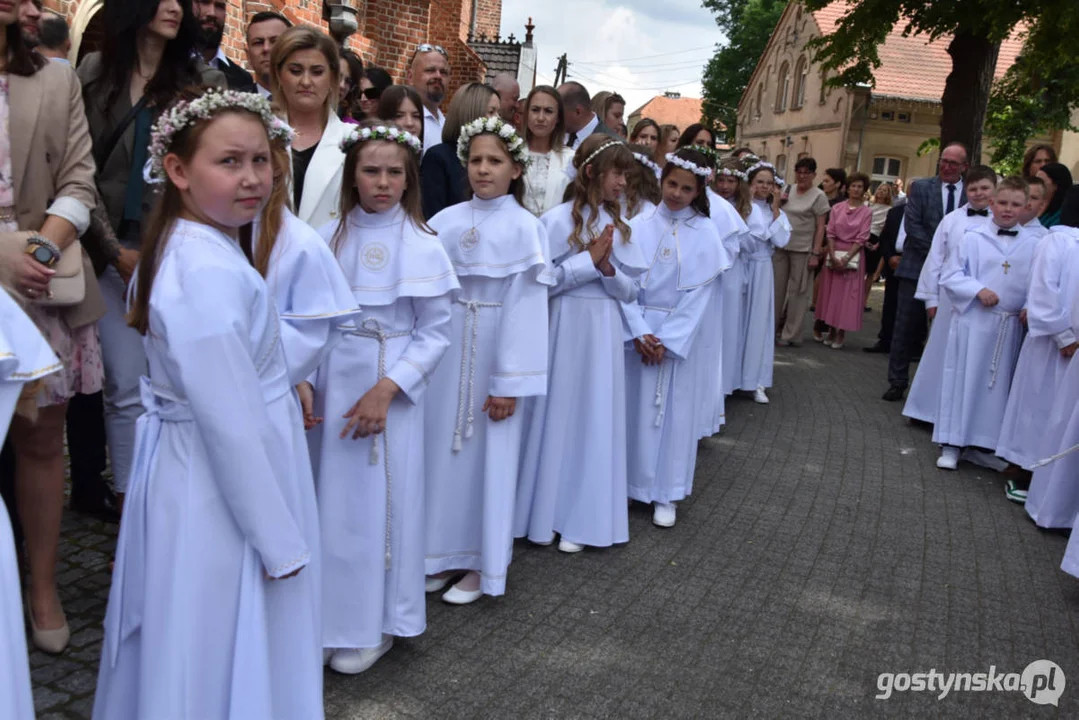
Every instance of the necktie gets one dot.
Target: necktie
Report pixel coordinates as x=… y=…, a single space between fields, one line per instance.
x=1011 y=233
x=572 y=140
x=951 y=199
x=971 y=212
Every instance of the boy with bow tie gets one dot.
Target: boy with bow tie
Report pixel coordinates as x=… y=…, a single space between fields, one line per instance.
x=986 y=278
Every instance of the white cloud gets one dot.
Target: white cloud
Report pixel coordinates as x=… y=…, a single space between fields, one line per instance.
x=638 y=48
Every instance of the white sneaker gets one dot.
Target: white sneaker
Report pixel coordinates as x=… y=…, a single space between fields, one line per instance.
x=949 y=458
x=456 y=596
x=352 y=661
x=663 y=515
x=568 y=546
x=759 y=396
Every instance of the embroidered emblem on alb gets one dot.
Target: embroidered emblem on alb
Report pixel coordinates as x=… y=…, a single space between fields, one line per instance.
x=666 y=254
x=469 y=240
x=375 y=256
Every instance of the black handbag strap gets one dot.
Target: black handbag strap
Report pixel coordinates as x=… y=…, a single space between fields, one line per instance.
x=105 y=148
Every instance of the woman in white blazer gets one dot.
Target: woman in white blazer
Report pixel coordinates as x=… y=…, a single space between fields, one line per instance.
x=547 y=178
x=305 y=76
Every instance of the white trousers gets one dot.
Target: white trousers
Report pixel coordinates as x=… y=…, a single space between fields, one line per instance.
x=125 y=362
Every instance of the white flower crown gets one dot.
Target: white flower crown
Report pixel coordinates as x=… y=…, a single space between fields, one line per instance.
x=762 y=165
x=381 y=132
x=647 y=162
x=601 y=148
x=687 y=165
x=492 y=126
x=185 y=113
x=732 y=173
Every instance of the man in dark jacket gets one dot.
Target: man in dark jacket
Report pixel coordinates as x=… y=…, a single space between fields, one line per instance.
x=210 y=15
x=888 y=237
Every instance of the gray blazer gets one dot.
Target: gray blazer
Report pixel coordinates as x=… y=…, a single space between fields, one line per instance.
x=925 y=210
x=112 y=176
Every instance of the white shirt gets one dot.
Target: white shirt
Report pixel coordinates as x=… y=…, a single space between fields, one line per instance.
x=944 y=194
x=220 y=60
x=65 y=61
x=584 y=132
x=432 y=127
x=262 y=91
x=901 y=237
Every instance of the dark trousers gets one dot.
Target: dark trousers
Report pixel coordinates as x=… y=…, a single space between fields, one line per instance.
x=7 y=489
x=86 y=444
x=887 y=315
x=908 y=335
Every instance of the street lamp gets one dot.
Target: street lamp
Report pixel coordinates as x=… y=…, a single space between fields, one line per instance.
x=341 y=18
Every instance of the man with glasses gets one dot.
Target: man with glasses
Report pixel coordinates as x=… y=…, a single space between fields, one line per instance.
x=429 y=74
x=928 y=201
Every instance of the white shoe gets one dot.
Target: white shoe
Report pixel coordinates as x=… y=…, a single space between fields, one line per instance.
x=568 y=546
x=352 y=661
x=435 y=583
x=456 y=596
x=542 y=543
x=759 y=396
x=663 y=515
x=949 y=458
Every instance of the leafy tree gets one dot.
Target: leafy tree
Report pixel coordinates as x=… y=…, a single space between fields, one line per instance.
x=977 y=28
x=747 y=25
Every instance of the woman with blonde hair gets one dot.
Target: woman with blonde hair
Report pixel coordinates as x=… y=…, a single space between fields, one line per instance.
x=668 y=143
x=874 y=265
x=443 y=181
x=305 y=75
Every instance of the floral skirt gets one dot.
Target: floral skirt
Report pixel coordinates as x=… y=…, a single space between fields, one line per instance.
x=79 y=350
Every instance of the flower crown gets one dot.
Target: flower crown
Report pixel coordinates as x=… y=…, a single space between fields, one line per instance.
x=186 y=113
x=493 y=126
x=732 y=173
x=601 y=148
x=647 y=162
x=762 y=165
x=381 y=132
x=687 y=165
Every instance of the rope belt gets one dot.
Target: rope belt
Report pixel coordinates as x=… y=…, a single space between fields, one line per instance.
x=467 y=385
x=372 y=329
x=998 y=350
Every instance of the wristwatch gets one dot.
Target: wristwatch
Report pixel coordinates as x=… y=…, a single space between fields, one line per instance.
x=43 y=250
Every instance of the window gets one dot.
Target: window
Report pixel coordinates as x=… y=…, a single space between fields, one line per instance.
x=783 y=87
x=781 y=166
x=760 y=99
x=886 y=169
x=888 y=115
x=801 y=79
x=823 y=86
x=903 y=117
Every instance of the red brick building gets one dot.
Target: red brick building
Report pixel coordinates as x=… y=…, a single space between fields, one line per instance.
x=387 y=34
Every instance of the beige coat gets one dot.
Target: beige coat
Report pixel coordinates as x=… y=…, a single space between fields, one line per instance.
x=51 y=158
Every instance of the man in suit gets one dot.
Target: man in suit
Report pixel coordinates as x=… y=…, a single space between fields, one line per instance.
x=210 y=15
x=888 y=237
x=429 y=73
x=262 y=32
x=928 y=201
x=580 y=120
x=54 y=37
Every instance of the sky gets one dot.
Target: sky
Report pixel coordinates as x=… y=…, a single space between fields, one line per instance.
x=639 y=48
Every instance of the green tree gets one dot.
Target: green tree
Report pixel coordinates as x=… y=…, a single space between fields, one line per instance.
x=747 y=25
x=977 y=28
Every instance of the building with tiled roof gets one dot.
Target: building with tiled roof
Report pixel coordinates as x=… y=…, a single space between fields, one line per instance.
x=509 y=56
x=668 y=109
x=786 y=112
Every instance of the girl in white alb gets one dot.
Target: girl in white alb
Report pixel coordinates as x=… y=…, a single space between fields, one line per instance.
x=214 y=606
x=732 y=189
x=685 y=253
x=498 y=355
x=369 y=467
x=573 y=478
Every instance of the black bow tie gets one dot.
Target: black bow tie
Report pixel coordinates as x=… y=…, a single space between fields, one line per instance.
x=971 y=212
x=1011 y=233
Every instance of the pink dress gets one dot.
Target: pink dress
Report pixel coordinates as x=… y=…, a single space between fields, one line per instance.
x=842 y=291
x=78 y=348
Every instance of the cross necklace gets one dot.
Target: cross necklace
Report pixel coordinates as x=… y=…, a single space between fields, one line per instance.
x=1006 y=265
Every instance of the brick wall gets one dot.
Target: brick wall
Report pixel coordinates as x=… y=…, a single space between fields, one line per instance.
x=389 y=30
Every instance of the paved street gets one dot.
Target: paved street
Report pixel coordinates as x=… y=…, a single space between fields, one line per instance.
x=821 y=547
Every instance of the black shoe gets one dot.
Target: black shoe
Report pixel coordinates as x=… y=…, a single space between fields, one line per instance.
x=880 y=348
x=894 y=393
x=100 y=504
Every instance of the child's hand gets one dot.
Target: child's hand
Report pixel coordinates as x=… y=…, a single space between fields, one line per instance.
x=307 y=404
x=499 y=408
x=292 y=574
x=600 y=248
x=368 y=415
x=1069 y=350
x=931 y=312
x=987 y=297
x=1023 y=316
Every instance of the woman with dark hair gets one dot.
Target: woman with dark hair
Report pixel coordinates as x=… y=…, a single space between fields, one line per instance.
x=545 y=128
x=1058 y=180
x=806 y=208
x=402 y=106
x=46 y=197
x=348 y=93
x=1037 y=156
x=698 y=134
x=147 y=58
x=374 y=81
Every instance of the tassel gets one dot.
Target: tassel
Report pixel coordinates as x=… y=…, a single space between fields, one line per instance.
x=389 y=558
x=374 y=450
x=468 y=430
x=659 y=419
x=457 y=442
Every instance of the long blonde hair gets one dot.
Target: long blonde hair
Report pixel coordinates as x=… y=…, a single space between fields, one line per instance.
x=587 y=188
x=273 y=214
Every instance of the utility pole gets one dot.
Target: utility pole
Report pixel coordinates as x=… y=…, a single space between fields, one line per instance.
x=560 y=70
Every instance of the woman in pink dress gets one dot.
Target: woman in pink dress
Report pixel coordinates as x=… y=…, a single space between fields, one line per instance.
x=842 y=280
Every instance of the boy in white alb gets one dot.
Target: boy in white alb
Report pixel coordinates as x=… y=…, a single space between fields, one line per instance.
x=986 y=277
x=1039 y=200
x=925 y=391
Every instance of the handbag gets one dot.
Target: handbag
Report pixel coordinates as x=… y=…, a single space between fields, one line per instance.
x=855 y=261
x=68 y=286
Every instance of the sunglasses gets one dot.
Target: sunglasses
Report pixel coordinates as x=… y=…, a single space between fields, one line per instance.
x=426 y=48
x=372 y=93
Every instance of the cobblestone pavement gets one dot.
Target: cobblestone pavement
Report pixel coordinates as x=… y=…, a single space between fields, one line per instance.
x=820 y=548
